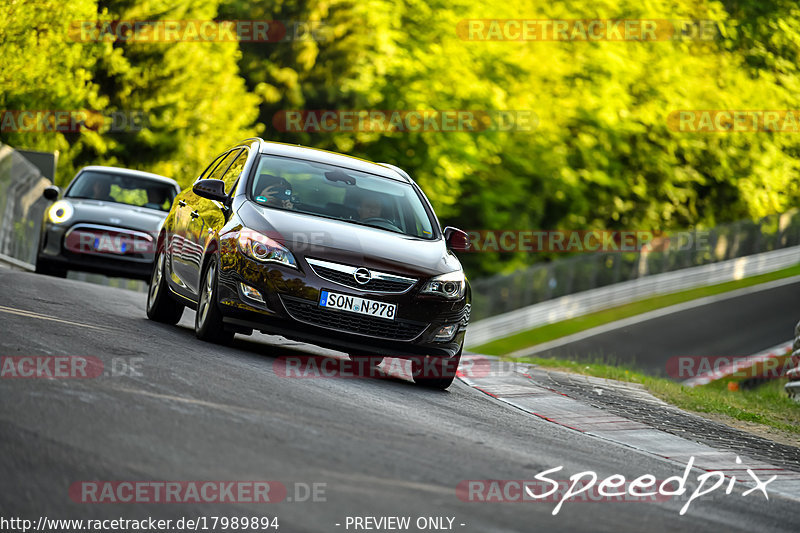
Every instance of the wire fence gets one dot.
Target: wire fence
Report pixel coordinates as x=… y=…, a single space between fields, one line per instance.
x=546 y=281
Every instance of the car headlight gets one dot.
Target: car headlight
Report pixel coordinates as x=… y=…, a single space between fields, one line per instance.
x=60 y=212
x=261 y=248
x=449 y=285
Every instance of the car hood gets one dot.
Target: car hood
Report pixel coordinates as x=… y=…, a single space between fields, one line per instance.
x=117 y=215
x=349 y=243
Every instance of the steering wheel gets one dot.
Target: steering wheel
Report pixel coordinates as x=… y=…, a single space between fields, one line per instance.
x=381 y=222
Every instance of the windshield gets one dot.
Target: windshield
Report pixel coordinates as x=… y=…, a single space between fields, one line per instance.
x=340 y=193
x=122 y=189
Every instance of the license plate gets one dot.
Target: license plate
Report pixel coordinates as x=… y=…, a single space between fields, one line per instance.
x=354 y=304
x=115 y=244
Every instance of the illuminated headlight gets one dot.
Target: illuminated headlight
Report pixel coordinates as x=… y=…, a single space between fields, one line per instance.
x=450 y=285
x=261 y=248
x=60 y=212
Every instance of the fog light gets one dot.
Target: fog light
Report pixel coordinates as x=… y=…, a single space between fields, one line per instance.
x=445 y=333
x=251 y=293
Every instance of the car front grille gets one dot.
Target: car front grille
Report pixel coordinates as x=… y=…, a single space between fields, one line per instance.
x=309 y=313
x=344 y=275
x=374 y=285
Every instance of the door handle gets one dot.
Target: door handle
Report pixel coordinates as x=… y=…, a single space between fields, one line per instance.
x=181 y=203
x=195 y=214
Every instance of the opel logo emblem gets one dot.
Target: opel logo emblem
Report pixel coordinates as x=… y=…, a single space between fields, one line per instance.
x=362 y=276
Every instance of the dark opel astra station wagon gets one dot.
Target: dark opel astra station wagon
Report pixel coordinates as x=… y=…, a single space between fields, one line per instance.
x=317 y=247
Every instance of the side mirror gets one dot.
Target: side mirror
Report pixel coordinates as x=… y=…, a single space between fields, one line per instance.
x=51 y=193
x=456 y=240
x=211 y=189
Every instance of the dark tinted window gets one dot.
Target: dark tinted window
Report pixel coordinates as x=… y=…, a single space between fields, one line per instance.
x=211 y=167
x=220 y=169
x=233 y=172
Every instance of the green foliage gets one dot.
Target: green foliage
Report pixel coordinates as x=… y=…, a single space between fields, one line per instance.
x=190 y=95
x=603 y=154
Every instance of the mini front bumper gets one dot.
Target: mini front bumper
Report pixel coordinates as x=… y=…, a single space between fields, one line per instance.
x=54 y=252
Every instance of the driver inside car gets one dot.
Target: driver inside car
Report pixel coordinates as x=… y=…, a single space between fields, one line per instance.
x=275 y=191
x=369 y=207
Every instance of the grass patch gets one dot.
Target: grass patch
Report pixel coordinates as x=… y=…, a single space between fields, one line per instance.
x=767 y=404
x=556 y=330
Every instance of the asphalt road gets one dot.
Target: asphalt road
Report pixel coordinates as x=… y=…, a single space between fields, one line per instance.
x=382 y=447
x=733 y=327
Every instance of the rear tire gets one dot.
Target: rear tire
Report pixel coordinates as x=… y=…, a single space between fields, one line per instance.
x=208 y=325
x=161 y=307
x=435 y=373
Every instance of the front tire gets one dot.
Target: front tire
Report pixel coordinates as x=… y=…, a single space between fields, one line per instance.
x=208 y=324
x=435 y=372
x=161 y=307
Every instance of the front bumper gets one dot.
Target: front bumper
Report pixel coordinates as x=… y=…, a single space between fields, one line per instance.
x=291 y=309
x=54 y=251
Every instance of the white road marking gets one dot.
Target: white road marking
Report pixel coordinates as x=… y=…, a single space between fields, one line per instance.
x=31 y=314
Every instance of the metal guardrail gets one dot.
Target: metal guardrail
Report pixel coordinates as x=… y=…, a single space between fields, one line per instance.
x=793 y=386
x=541 y=282
x=574 y=305
x=21 y=212
x=21 y=206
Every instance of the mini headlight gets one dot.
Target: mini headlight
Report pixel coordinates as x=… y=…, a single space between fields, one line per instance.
x=449 y=285
x=261 y=248
x=60 y=212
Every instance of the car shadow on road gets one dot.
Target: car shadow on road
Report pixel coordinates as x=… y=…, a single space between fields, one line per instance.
x=297 y=360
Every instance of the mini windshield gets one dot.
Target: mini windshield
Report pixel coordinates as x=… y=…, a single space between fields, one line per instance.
x=340 y=193
x=122 y=189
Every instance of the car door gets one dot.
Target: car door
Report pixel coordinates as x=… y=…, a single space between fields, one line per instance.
x=206 y=215
x=183 y=250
